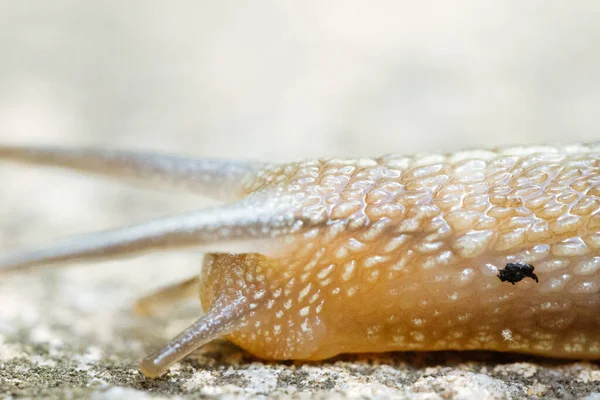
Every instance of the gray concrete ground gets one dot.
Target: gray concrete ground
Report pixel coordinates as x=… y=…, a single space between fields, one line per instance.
x=272 y=81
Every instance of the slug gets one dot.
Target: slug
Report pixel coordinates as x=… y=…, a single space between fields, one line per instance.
x=310 y=259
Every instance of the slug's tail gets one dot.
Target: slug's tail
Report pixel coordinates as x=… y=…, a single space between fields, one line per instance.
x=239 y=227
x=220 y=179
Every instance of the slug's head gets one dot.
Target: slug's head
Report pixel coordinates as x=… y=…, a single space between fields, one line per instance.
x=232 y=277
x=260 y=294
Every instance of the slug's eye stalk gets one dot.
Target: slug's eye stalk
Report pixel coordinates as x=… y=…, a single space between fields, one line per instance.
x=213 y=229
x=223 y=228
x=219 y=179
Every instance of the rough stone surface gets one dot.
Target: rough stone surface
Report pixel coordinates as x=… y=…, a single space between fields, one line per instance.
x=44 y=362
x=271 y=81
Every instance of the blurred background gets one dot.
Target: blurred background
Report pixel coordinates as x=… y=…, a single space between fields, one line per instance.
x=267 y=80
x=281 y=80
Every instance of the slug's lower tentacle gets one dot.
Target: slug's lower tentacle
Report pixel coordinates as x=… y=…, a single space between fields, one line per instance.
x=220 y=179
x=224 y=316
x=223 y=228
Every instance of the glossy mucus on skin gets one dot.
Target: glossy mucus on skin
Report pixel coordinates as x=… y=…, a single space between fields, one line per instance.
x=393 y=253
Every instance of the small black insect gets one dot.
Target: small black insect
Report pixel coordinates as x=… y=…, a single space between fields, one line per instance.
x=514 y=273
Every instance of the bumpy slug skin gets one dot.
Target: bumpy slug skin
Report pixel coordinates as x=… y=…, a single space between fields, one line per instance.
x=405 y=255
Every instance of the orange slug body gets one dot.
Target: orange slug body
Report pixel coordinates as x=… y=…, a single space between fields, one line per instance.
x=393 y=253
